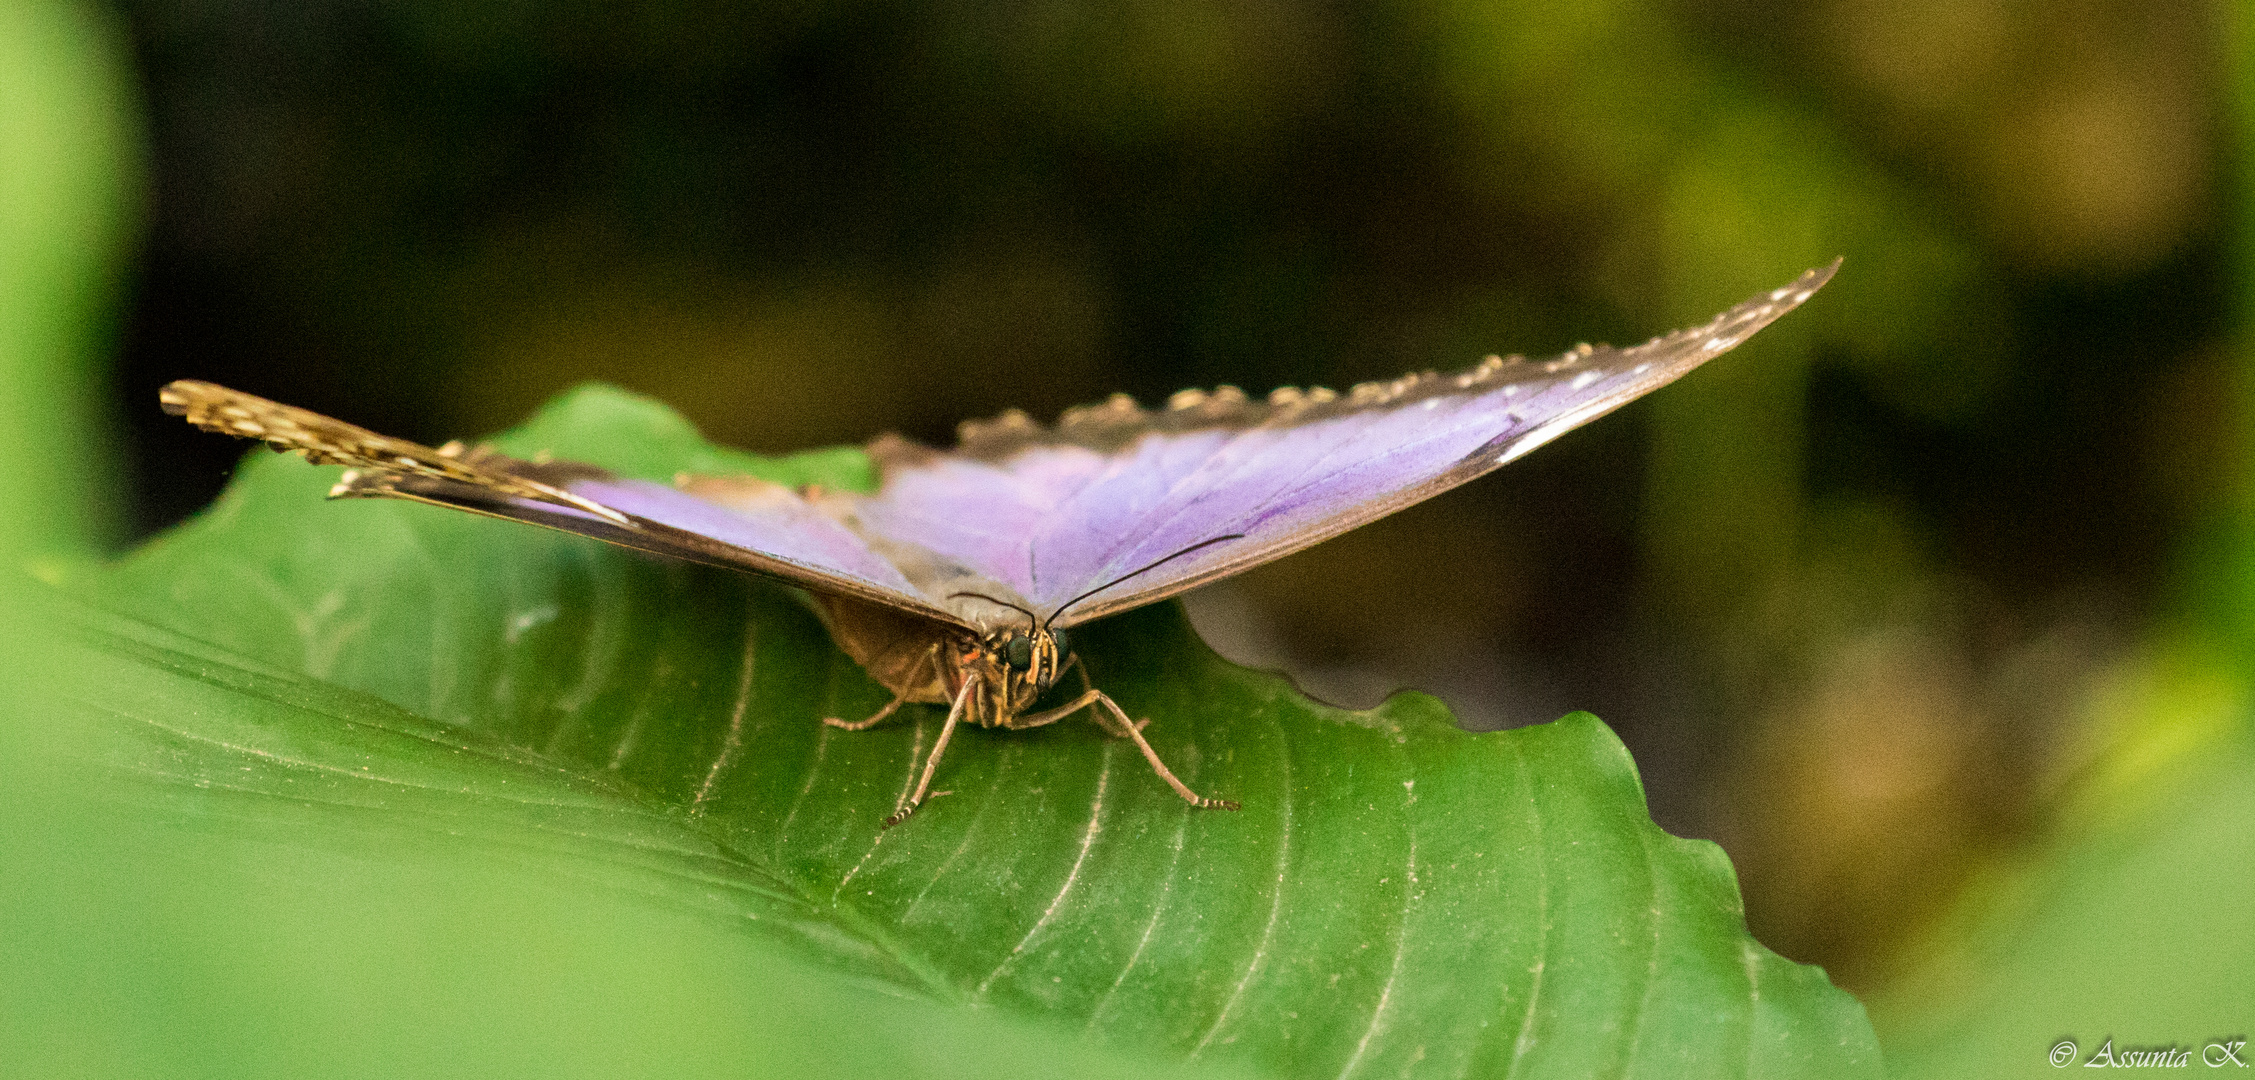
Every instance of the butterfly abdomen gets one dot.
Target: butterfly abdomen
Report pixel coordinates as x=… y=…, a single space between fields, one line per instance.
x=907 y=654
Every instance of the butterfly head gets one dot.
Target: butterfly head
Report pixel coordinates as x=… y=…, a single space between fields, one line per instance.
x=1020 y=663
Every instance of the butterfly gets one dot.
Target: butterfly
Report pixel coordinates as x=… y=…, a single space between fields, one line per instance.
x=956 y=581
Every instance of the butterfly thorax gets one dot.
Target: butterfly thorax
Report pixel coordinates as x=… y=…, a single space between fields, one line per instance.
x=924 y=660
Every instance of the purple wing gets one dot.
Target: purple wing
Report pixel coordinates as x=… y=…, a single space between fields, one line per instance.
x=1053 y=513
x=738 y=523
x=1039 y=518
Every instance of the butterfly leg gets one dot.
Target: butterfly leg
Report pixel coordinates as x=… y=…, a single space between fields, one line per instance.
x=1044 y=719
x=1088 y=695
x=1080 y=669
x=1135 y=731
x=932 y=763
x=873 y=720
x=1114 y=720
x=930 y=656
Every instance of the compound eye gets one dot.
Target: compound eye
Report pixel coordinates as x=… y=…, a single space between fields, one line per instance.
x=1018 y=652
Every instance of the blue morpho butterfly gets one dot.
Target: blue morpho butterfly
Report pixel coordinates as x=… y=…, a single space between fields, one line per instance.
x=955 y=581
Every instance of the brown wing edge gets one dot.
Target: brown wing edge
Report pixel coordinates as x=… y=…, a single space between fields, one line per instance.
x=1724 y=332
x=484 y=481
x=325 y=440
x=1119 y=420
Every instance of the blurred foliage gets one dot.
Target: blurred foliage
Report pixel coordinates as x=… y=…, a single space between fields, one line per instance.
x=68 y=164
x=1887 y=603
x=2128 y=921
x=2124 y=924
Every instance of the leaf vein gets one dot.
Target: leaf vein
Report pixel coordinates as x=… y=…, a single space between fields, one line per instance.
x=1072 y=876
x=1393 y=974
x=1652 y=959
x=733 y=744
x=1276 y=899
x=1158 y=909
x=915 y=754
x=1526 y=1038
x=970 y=832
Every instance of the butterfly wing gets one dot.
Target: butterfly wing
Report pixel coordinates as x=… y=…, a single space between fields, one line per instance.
x=1039 y=517
x=1112 y=489
x=738 y=523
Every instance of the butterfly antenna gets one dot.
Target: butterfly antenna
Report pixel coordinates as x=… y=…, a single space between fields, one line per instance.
x=1031 y=618
x=1146 y=568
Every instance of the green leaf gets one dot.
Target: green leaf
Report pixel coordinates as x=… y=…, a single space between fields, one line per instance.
x=360 y=892
x=1398 y=896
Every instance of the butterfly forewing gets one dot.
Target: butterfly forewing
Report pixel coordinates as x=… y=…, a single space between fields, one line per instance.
x=1057 y=512
x=742 y=523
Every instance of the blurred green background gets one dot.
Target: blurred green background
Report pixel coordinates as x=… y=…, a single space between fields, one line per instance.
x=1903 y=603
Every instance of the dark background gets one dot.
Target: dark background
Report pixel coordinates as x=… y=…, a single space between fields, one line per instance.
x=1849 y=594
